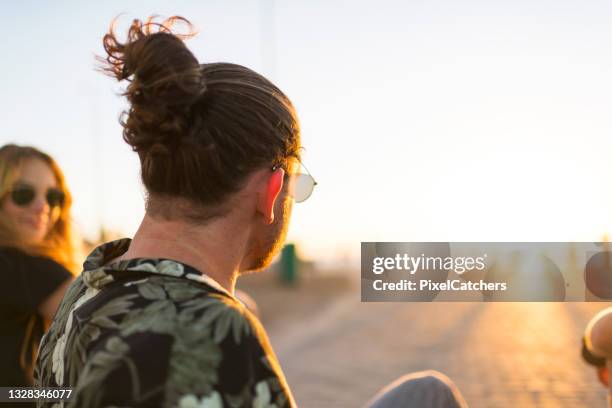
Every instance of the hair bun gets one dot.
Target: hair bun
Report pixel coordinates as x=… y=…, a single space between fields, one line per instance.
x=165 y=80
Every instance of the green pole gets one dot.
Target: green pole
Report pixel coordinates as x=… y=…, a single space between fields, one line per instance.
x=288 y=264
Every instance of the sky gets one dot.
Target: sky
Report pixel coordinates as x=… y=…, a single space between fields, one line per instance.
x=422 y=121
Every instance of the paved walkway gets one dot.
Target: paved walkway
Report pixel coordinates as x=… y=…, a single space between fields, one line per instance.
x=499 y=355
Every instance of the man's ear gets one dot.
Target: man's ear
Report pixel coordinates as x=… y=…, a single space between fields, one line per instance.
x=602 y=374
x=269 y=194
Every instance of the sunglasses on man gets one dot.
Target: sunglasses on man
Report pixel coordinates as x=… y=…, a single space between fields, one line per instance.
x=301 y=184
x=24 y=194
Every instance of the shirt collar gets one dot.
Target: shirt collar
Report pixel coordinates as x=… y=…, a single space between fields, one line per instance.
x=96 y=267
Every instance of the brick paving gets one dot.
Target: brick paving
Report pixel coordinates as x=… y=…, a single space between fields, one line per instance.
x=498 y=354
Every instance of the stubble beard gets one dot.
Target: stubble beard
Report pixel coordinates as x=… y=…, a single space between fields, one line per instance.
x=273 y=238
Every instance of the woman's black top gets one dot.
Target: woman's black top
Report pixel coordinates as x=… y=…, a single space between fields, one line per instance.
x=25 y=283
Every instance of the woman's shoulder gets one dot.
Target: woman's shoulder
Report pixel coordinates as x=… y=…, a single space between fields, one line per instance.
x=26 y=281
x=11 y=257
x=8 y=250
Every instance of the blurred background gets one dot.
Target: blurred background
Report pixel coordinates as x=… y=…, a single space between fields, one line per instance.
x=422 y=121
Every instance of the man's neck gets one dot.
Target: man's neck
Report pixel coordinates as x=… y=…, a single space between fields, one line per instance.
x=215 y=249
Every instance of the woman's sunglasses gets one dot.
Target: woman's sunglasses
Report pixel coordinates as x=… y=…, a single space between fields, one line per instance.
x=302 y=184
x=23 y=195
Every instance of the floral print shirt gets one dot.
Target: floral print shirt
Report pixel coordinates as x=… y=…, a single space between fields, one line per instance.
x=156 y=332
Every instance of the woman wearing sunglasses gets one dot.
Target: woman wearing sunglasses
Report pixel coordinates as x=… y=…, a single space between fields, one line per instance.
x=35 y=255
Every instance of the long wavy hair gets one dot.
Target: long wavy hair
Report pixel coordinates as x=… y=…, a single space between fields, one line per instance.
x=57 y=244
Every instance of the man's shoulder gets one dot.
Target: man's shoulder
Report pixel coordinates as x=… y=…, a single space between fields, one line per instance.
x=176 y=336
x=167 y=337
x=153 y=305
x=177 y=307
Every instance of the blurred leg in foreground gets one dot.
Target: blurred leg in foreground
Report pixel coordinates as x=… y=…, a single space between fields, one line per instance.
x=429 y=388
